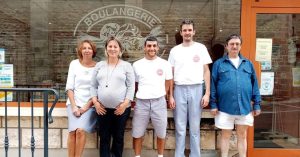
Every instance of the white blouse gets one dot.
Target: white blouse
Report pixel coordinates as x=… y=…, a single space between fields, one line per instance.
x=79 y=80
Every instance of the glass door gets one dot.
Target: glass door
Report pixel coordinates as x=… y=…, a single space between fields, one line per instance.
x=279 y=124
x=275 y=47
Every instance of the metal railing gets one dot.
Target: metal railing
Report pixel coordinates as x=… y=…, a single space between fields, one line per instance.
x=47 y=115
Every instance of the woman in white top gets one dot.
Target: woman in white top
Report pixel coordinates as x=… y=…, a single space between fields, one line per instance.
x=112 y=89
x=81 y=114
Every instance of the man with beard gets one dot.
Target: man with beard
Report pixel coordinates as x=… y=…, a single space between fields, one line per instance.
x=153 y=76
x=235 y=96
x=189 y=61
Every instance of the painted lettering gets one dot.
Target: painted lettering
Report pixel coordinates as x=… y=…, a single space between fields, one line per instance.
x=144 y=16
x=94 y=17
x=88 y=21
x=115 y=12
x=137 y=14
x=130 y=12
x=153 y=22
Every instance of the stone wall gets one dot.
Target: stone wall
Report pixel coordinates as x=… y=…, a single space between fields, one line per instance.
x=58 y=133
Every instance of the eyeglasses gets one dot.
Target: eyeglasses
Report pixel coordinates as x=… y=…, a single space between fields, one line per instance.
x=232 y=44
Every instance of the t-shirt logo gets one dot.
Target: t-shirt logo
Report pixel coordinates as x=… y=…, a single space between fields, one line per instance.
x=196 y=58
x=159 y=72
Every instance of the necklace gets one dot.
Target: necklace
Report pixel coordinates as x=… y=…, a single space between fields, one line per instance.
x=107 y=72
x=87 y=66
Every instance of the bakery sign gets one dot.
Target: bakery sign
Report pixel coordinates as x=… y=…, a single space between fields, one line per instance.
x=117 y=20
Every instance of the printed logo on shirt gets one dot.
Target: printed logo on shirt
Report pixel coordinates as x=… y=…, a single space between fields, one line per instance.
x=196 y=58
x=159 y=72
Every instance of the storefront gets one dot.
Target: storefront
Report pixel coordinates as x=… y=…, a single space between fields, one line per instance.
x=39 y=38
x=276 y=132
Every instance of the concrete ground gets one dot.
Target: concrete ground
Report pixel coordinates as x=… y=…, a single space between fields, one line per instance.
x=13 y=152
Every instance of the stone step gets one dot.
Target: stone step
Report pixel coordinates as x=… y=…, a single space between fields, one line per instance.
x=95 y=152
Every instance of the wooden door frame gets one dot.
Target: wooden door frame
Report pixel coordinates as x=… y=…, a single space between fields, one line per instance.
x=249 y=9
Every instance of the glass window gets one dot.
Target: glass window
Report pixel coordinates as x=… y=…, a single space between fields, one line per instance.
x=40 y=36
x=279 y=126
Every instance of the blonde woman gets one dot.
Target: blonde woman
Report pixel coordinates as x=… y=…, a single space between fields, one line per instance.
x=81 y=114
x=112 y=90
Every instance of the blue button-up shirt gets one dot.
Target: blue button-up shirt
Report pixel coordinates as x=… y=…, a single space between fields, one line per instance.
x=233 y=89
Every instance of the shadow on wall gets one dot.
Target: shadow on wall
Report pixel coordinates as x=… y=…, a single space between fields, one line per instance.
x=217 y=51
x=178 y=38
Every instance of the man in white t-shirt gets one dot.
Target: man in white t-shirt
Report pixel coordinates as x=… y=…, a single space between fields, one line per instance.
x=154 y=78
x=189 y=61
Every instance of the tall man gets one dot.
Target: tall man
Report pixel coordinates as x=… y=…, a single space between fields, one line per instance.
x=190 y=68
x=235 y=96
x=153 y=77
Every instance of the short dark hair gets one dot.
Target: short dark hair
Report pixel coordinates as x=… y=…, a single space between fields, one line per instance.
x=150 y=38
x=233 y=36
x=187 y=22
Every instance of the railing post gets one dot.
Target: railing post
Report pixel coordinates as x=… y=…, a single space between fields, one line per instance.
x=19 y=122
x=32 y=141
x=6 y=141
x=45 y=123
x=47 y=117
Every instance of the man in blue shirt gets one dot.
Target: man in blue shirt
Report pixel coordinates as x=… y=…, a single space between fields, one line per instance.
x=235 y=96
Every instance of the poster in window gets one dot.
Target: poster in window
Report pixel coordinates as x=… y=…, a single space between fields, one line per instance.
x=296 y=77
x=6 y=80
x=2 y=55
x=266 y=65
x=263 y=49
x=267 y=83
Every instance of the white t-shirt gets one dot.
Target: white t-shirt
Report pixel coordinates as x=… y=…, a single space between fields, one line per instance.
x=79 y=80
x=188 y=63
x=151 y=76
x=235 y=61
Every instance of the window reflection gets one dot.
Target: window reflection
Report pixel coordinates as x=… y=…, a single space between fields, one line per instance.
x=279 y=124
x=40 y=37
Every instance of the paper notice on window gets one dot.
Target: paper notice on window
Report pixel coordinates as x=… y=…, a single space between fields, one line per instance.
x=263 y=49
x=9 y=96
x=6 y=75
x=296 y=77
x=267 y=83
x=2 y=55
x=6 y=80
x=266 y=65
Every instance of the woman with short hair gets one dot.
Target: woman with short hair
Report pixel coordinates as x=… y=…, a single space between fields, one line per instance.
x=81 y=114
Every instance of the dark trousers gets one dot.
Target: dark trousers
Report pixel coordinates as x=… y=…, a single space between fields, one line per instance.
x=112 y=126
